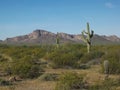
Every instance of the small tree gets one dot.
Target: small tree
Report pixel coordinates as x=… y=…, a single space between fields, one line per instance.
x=87 y=38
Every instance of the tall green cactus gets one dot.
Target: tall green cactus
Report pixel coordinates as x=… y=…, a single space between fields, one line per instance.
x=87 y=38
x=57 y=40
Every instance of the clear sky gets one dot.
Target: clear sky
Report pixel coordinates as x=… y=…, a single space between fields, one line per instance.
x=19 y=17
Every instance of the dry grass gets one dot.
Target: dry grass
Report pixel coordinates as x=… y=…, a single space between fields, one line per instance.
x=93 y=76
x=36 y=85
x=31 y=85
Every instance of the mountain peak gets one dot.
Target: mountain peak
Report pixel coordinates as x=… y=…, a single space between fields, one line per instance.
x=38 y=33
x=40 y=36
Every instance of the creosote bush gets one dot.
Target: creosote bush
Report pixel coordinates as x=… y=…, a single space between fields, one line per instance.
x=114 y=61
x=90 y=56
x=70 y=81
x=63 y=57
x=25 y=68
x=4 y=82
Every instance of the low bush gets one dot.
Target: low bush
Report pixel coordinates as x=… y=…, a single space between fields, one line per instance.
x=4 y=82
x=114 y=62
x=90 y=56
x=70 y=81
x=25 y=68
x=107 y=84
x=63 y=57
x=3 y=59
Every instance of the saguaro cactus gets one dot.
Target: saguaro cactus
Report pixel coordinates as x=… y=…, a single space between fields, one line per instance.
x=57 y=40
x=87 y=38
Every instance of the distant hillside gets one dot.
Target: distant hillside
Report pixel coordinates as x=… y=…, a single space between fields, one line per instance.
x=46 y=37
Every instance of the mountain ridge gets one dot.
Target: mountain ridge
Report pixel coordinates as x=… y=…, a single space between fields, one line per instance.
x=39 y=36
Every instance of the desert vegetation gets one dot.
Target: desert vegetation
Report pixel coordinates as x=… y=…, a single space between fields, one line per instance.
x=67 y=67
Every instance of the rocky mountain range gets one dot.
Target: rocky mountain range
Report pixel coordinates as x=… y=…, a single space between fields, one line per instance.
x=46 y=37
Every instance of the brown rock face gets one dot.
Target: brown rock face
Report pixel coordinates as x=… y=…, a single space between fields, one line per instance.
x=38 y=33
x=45 y=37
x=35 y=34
x=113 y=38
x=16 y=39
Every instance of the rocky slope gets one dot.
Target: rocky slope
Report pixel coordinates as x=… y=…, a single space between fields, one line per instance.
x=46 y=37
x=113 y=38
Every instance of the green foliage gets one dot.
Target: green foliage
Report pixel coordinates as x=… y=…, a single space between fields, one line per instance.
x=25 y=68
x=70 y=81
x=21 y=60
x=107 y=84
x=4 y=82
x=17 y=52
x=90 y=56
x=63 y=57
x=114 y=61
x=62 y=60
x=24 y=60
x=2 y=58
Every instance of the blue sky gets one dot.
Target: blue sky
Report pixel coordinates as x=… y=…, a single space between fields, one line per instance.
x=19 y=17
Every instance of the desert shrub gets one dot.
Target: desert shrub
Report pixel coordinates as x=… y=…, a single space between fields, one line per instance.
x=35 y=71
x=2 y=58
x=114 y=61
x=90 y=56
x=17 y=52
x=4 y=82
x=70 y=81
x=49 y=77
x=23 y=60
x=62 y=59
x=65 y=56
x=25 y=68
x=107 y=84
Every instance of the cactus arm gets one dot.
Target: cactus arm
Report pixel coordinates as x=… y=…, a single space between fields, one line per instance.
x=83 y=37
x=91 y=35
x=85 y=32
